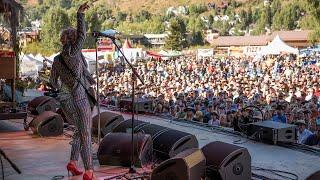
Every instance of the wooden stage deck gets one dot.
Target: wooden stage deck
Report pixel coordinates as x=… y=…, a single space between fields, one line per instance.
x=41 y=158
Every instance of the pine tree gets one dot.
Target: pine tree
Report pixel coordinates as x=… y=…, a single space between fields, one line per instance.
x=197 y=38
x=177 y=36
x=249 y=16
x=261 y=24
x=54 y=21
x=275 y=7
x=314 y=7
x=268 y=16
x=277 y=21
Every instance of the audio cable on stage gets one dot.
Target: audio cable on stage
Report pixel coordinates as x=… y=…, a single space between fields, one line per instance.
x=273 y=172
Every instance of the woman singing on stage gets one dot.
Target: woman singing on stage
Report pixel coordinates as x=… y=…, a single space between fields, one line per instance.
x=70 y=75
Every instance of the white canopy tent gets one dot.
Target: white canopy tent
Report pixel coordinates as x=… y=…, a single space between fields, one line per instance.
x=29 y=66
x=91 y=59
x=277 y=46
x=39 y=57
x=51 y=58
x=133 y=53
x=203 y=53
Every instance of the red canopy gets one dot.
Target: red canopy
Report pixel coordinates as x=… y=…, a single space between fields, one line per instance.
x=127 y=44
x=154 y=55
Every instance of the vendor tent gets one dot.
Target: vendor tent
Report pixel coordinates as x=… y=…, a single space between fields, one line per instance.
x=133 y=53
x=170 y=53
x=29 y=66
x=154 y=55
x=277 y=46
x=130 y=52
x=203 y=53
x=126 y=44
x=39 y=57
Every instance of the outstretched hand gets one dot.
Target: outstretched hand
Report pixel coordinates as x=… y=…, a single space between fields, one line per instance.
x=83 y=7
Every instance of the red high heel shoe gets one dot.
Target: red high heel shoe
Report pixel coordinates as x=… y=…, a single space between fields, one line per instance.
x=87 y=177
x=74 y=171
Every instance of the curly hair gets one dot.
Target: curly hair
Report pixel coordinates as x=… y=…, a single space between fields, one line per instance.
x=70 y=33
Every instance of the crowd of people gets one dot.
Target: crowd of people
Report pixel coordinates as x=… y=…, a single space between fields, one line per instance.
x=282 y=88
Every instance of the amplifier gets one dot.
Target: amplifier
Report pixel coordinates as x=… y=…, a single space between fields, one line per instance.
x=273 y=132
x=140 y=105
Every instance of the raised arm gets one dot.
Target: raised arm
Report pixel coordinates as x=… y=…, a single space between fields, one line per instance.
x=81 y=30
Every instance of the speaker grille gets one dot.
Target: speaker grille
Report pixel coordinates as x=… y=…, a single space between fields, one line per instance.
x=171 y=142
x=187 y=165
x=47 y=124
x=226 y=161
x=152 y=129
x=166 y=142
x=108 y=121
x=221 y=150
x=40 y=104
x=115 y=149
x=125 y=126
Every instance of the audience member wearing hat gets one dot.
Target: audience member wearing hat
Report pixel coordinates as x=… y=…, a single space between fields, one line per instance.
x=303 y=132
x=314 y=139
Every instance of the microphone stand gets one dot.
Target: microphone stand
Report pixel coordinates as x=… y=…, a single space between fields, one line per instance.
x=97 y=89
x=134 y=77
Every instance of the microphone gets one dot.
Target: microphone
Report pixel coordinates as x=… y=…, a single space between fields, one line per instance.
x=100 y=34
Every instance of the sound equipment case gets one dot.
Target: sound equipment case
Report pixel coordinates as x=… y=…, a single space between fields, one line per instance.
x=273 y=132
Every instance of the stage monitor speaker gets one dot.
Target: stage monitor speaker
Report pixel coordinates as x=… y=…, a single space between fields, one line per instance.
x=108 y=121
x=273 y=132
x=187 y=165
x=152 y=129
x=140 y=105
x=171 y=142
x=125 y=126
x=166 y=142
x=314 y=176
x=115 y=150
x=60 y=111
x=227 y=161
x=40 y=104
x=47 y=124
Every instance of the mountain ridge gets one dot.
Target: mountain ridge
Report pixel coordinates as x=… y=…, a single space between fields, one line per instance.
x=157 y=6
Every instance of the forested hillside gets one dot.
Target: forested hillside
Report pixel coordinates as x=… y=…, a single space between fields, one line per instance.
x=229 y=17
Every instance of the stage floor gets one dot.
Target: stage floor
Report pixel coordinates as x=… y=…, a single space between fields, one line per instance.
x=44 y=158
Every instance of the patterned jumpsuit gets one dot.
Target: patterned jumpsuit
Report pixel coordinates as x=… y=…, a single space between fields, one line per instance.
x=76 y=108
